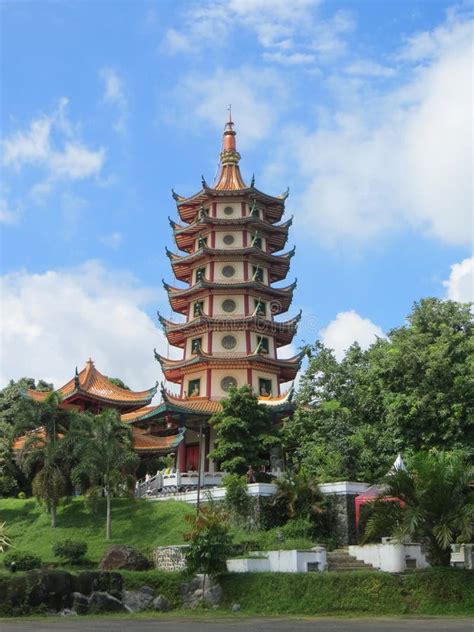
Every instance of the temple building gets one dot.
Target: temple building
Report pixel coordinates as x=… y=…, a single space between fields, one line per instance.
x=229 y=235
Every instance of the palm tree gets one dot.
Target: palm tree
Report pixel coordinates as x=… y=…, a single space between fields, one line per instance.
x=437 y=509
x=103 y=448
x=300 y=494
x=45 y=453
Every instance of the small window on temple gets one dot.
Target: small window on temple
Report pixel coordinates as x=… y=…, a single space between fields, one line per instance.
x=194 y=388
x=228 y=271
x=198 y=308
x=257 y=242
x=228 y=210
x=229 y=305
x=200 y=274
x=263 y=345
x=257 y=273
x=260 y=308
x=202 y=241
x=196 y=345
x=229 y=240
x=264 y=387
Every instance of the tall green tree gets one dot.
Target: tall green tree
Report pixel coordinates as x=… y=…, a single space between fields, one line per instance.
x=407 y=392
x=103 y=448
x=438 y=503
x=245 y=433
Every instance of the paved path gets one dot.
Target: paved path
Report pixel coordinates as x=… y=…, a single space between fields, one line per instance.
x=238 y=624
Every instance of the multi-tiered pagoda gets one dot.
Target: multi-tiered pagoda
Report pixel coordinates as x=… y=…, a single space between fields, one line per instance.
x=229 y=236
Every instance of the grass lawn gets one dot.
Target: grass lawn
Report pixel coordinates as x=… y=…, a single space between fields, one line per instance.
x=137 y=523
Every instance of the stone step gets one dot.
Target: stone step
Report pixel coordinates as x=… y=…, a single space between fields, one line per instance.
x=348 y=569
x=340 y=560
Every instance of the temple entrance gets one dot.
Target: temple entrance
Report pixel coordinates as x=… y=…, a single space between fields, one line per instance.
x=192 y=458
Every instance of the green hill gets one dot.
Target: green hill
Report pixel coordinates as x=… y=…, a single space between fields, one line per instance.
x=138 y=523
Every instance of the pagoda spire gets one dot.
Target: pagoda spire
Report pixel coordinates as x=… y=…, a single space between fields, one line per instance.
x=230 y=178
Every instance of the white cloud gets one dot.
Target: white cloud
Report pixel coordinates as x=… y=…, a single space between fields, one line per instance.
x=367 y=68
x=258 y=96
x=8 y=215
x=114 y=240
x=288 y=32
x=53 y=321
x=114 y=94
x=460 y=285
x=383 y=161
x=40 y=145
x=347 y=328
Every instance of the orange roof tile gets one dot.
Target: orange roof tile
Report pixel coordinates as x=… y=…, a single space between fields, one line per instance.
x=92 y=383
x=145 y=442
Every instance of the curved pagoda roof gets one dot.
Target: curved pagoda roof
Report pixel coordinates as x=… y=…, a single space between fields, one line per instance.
x=179 y=298
x=177 y=333
x=229 y=183
x=286 y=368
x=183 y=265
x=199 y=407
x=276 y=235
x=91 y=385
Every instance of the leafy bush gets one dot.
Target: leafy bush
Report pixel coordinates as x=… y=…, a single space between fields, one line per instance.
x=209 y=541
x=21 y=495
x=70 y=551
x=237 y=498
x=298 y=528
x=24 y=560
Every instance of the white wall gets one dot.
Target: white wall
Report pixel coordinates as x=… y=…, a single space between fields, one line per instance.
x=389 y=557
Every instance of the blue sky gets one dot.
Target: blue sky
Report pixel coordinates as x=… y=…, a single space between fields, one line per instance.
x=362 y=108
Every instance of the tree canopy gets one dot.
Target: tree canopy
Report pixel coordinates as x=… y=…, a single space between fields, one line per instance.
x=410 y=391
x=244 y=432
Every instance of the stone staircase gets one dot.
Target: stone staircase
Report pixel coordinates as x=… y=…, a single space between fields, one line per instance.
x=339 y=560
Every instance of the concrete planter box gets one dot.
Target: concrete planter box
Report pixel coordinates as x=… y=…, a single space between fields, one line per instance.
x=293 y=561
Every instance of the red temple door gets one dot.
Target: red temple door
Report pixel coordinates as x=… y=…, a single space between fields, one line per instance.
x=192 y=458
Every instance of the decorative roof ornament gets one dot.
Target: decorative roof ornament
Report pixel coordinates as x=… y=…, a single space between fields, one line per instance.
x=252 y=181
x=204 y=183
x=230 y=178
x=284 y=195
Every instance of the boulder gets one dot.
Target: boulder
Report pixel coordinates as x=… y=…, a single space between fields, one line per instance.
x=80 y=603
x=193 y=595
x=161 y=604
x=67 y=612
x=51 y=588
x=137 y=600
x=121 y=556
x=104 y=602
x=235 y=607
x=90 y=581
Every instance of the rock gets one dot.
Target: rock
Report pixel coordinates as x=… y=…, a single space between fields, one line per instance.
x=136 y=600
x=148 y=590
x=193 y=596
x=104 y=602
x=235 y=607
x=52 y=588
x=161 y=604
x=90 y=581
x=121 y=556
x=67 y=612
x=80 y=603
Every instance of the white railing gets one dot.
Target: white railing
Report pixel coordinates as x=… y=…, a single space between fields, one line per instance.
x=172 y=482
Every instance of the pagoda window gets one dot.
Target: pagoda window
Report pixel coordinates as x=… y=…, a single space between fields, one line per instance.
x=202 y=241
x=264 y=387
x=194 y=388
x=198 y=308
x=196 y=345
x=260 y=308
x=257 y=274
x=200 y=274
x=263 y=345
x=257 y=242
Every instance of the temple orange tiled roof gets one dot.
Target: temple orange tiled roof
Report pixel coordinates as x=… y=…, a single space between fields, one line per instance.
x=38 y=433
x=143 y=441
x=92 y=384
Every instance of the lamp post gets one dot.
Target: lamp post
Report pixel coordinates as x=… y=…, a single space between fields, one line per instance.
x=198 y=504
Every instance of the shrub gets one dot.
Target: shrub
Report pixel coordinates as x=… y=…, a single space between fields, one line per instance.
x=24 y=560
x=21 y=495
x=237 y=498
x=70 y=551
x=298 y=528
